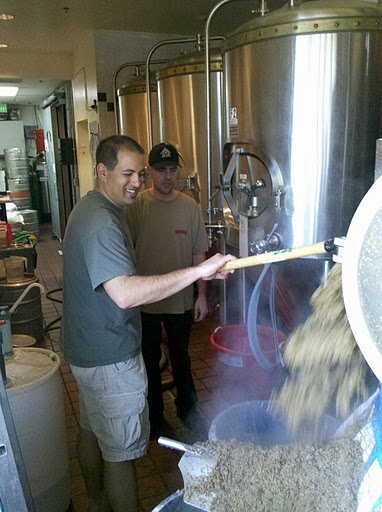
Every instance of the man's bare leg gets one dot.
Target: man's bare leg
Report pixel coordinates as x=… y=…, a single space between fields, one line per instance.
x=92 y=467
x=122 y=486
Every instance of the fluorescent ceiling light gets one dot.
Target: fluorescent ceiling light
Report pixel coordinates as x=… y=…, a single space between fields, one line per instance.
x=8 y=91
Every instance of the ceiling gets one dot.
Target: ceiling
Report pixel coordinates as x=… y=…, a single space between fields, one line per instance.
x=30 y=91
x=46 y=26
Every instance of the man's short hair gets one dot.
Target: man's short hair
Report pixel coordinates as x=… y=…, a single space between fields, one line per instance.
x=107 y=150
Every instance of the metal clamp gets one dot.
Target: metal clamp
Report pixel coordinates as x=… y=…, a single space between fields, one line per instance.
x=339 y=242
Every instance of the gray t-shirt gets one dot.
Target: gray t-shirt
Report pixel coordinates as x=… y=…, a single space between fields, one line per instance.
x=97 y=247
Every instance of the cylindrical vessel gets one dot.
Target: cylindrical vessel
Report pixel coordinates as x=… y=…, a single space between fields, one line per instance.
x=175 y=503
x=5 y=330
x=378 y=160
x=3 y=185
x=39 y=138
x=182 y=113
x=16 y=163
x=249 y=422
x=305 y=87
x=35 y=190
x=19 y=192
x=40 y=168
x=27 y=318
x=30 y=222
x=133 y=116
x=36 y=400
x=304 y=94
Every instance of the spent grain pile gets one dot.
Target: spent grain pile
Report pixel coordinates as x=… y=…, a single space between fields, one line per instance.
x=288 y=478
x=327 y=371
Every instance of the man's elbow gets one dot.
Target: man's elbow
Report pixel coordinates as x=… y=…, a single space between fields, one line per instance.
x=123 y=303
x=117 y=291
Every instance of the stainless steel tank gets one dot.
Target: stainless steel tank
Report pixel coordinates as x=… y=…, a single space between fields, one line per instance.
x=304 y=95
x=182 y=114
x=133 y=116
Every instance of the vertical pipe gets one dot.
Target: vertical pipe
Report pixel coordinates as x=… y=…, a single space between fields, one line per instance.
x=153 y=49
x=208 y=105
x=116 y=73
x=116 y=106
x=196 y=39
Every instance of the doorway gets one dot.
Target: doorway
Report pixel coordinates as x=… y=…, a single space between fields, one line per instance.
x=61 y=158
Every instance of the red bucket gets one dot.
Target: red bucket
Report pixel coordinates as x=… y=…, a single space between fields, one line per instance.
x=232 y=344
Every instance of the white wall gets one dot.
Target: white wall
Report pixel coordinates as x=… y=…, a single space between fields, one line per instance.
x=84 y=84
x=11 y=135
x=114 y=48
x=30 y=116
x=12 y=132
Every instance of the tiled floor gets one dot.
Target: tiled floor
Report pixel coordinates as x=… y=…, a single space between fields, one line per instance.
x=218 y=385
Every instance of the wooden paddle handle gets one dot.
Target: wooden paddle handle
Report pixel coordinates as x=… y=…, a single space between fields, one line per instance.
x=281 y=255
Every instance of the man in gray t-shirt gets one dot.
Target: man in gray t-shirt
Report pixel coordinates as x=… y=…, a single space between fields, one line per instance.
x=101 y=331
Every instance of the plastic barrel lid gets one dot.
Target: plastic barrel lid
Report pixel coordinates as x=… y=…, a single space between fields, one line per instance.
x=362 y=277
x=29 y=367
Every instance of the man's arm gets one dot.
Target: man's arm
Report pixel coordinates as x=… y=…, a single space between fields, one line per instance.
x=130 y=291
x=201 y=305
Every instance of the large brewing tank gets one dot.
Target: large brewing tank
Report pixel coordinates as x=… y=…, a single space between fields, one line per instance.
x=182 y=114
x=133 y=116
x=304 y=88
x=304 y=96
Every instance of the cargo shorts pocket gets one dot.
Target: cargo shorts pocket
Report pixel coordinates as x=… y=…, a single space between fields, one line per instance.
x=122 y=406
x=124 y=418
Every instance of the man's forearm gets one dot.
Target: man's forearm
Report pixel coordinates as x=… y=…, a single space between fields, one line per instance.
x=130 y=291
x=200 y=284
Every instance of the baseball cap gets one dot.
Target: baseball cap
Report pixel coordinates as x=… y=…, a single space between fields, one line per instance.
x=163 y=154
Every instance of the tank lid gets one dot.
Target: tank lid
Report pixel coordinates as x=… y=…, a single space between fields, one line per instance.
x=190 y=64
x=317 y=16
x=25 y=281
x=28 y=367
x=137 y=84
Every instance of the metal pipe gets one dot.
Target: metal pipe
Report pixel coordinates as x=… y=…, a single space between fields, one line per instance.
x=199 y=44
x=208 y=104
x=153 y=49
x=116 y=73
x=264 y=8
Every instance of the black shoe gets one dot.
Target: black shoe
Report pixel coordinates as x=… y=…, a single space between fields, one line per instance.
x=194 y=420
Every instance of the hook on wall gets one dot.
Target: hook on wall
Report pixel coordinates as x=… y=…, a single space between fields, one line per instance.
x=93 y=106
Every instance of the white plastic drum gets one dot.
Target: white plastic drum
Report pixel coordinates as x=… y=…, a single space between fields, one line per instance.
x=362 y=277
x=34 y=389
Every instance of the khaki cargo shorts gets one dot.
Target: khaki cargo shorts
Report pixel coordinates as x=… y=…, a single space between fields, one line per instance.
x=113 y=406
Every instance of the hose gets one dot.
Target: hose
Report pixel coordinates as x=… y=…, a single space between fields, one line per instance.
x=50 y=326
x=32 y=285
x=253 y=307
